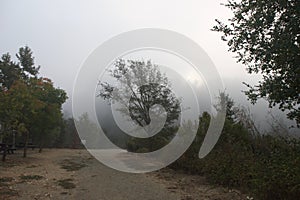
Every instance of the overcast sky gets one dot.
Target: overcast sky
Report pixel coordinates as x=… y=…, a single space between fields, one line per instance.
x=62 y=33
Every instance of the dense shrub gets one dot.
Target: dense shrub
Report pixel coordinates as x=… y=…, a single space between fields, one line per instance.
x=266 y=166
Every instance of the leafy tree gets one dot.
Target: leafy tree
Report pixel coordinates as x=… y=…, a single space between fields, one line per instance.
x=265 y=35
x=29 y=104
x=50 y=112
x=145 y=86
x=18 y=108
x=69 y=137
x=26 y=63
x=11 y=71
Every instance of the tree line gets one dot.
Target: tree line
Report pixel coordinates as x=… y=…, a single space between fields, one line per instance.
x=30 y=106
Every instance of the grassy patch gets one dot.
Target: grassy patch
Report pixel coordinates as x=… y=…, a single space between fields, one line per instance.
x=71 y=165
x=31 y=166
x=66 y=183
x=5 y=180
x=64 y=193
x=31 y=177
x=6 y=192
x=7 y=164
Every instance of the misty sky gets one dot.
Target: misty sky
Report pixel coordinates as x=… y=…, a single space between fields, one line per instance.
x=62 y=34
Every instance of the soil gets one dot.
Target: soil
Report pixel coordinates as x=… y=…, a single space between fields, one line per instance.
x=75 y=174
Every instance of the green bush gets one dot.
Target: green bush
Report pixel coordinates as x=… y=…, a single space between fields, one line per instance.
x=267 y=167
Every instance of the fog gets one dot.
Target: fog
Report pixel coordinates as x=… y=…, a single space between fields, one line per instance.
x=62 y=34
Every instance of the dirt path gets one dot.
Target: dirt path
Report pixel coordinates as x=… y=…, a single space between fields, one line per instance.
x=74 y=174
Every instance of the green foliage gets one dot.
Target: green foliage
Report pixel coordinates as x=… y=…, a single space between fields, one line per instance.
x=31 y=177
x=71 y=165
x=26 y=63
x=52 y=99
x=68 y=136
x=17 y=107
x=5 y=180
x=265 y=35
x=9 y=72
x=29 y=104
x=66 y=183
x=139 y=145
x=266 y=166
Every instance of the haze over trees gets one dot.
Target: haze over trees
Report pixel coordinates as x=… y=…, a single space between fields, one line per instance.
x=265 y=36
x=145 y=86
x=263 y=165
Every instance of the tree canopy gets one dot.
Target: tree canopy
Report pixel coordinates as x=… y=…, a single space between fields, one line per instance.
x=29 y=104
x=145 y=86
x=265 y=35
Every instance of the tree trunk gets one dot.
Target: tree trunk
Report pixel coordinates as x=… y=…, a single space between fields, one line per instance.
x=40 y=148
x=4 y=152
x=25 y=145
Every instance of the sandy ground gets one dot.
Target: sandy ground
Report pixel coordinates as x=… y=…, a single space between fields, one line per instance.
x=75 y=174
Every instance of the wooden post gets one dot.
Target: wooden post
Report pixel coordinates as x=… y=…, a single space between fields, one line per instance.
x=25 y=144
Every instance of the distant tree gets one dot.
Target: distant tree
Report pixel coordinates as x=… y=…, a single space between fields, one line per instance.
x=225 y=102
x=145 y=86
x=131 y=74
x=69 y=137
x=265 y=35
x=90 y=129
